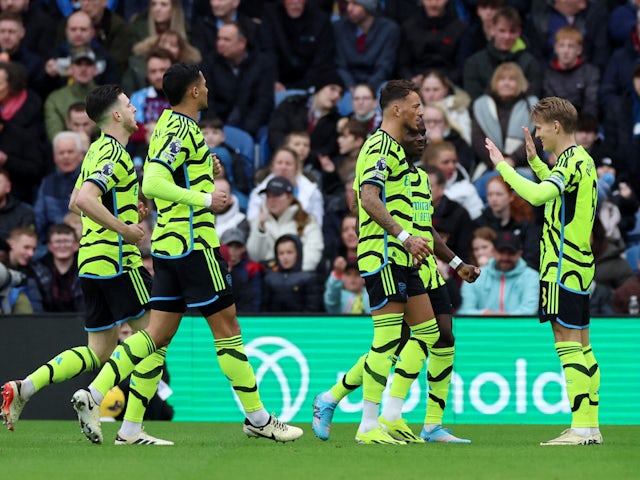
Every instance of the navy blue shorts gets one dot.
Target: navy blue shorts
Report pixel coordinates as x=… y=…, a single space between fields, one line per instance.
x=199 y=280
x=569 y=309
x=115 y=300
x=393 y=284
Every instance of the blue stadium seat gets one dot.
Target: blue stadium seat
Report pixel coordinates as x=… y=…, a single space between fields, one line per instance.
x=632 y=254
x=265 y=151
x=240 y=140
x=344 y=105
x=481 y=183
x=632 y=237
x=280 y=96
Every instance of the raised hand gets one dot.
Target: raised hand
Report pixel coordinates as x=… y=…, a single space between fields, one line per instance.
x=143 y=211
x=339 y=266
x=494 y=152
x=326 y=163
x=529 y=145
x=217 y=166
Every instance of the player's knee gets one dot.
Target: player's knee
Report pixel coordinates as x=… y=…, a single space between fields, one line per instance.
x=162 y=339
x=103 y=354
x=139 y=323
x=226 y=328
x=446 y=339
x=102 y=347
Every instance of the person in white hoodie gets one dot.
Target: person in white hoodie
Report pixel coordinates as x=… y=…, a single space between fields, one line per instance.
x=284 y=163
x=281 y=213
x=459 y=188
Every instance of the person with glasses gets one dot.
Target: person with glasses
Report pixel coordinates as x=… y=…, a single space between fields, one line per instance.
x=364 y=104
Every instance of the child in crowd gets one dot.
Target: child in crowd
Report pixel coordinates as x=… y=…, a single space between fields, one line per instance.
x=237 y=167
x=246 y=275
x=344 y=290
x=482 y=249
x=300 y=142
x=287 y=288
x=569 y=75
x=335 y=172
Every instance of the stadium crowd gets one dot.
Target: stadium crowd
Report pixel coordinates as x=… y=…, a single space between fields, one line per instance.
x=292 y=97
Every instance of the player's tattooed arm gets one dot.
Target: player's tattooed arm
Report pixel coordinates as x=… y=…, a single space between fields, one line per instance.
x=372 y=204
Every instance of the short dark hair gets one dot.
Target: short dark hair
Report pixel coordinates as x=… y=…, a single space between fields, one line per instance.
x=490 y=3
x=177 y=79
x=16 y=76
x=510 y=14
x=211 y=122
x=162 y=53
x=587 y=123
x=14 y=17
x=395 y=90
x=61 y=229
x=76 y=107
x=100 y=99
x=242 y=32
x=356 y=128
x=287 y=237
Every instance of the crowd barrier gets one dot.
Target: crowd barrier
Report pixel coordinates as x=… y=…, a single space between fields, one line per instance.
x=506 y=369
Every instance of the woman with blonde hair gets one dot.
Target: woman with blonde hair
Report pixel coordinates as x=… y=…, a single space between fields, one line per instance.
x=135 y=78
x=161 y=16
x=500 y=115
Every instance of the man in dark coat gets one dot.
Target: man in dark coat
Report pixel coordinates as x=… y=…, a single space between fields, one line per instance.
x=240 y=81
x=299 y=39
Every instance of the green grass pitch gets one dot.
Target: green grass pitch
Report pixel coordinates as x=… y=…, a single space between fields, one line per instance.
x=57 y=450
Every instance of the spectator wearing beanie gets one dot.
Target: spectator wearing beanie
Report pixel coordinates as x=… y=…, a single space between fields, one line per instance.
x=315 y=113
